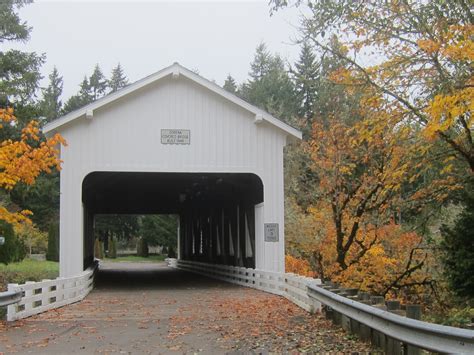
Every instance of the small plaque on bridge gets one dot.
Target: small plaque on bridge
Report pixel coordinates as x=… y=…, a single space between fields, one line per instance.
x=2 y=240
x=271 y=232
x=175 y=136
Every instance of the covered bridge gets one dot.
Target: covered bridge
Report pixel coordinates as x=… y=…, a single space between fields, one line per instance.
x=177 y=143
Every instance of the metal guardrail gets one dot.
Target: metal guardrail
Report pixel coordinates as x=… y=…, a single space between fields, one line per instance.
x=9 y=297
x=428 y=336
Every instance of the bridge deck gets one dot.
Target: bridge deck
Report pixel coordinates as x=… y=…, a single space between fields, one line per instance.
x=150 y=308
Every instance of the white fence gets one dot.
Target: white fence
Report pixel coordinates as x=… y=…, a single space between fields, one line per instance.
x=38 y=297
x=291 y=286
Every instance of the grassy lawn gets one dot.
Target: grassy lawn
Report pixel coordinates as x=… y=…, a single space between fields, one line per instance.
x=138 y=259
x=27 y=270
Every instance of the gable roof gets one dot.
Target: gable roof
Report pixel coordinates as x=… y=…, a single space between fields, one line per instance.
x=174 y=70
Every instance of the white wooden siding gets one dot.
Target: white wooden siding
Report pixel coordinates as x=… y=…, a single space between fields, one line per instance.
x=125 y=136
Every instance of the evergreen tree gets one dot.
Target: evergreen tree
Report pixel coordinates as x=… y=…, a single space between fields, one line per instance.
x=53 y=242
x=261 y=63
x=19 y=71
x=51 y=104
x=306 y=78
x=81 y=99
x=230 y=84
x=118 y=79
x=42 y=199
x=458 y=248
x=13 y=250
x=97 y=83
x=270 y=86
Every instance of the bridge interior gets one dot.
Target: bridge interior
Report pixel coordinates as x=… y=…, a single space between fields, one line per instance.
x=216 y=210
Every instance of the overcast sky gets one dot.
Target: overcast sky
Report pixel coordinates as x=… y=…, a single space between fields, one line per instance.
x=214 y=37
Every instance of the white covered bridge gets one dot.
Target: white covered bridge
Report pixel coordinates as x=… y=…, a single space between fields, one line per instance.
x=176 y=143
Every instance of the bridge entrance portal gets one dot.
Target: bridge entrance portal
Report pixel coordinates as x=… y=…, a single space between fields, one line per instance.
x=217 y=211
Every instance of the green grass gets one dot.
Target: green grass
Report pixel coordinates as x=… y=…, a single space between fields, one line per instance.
x=138 y=259
x=27 y=270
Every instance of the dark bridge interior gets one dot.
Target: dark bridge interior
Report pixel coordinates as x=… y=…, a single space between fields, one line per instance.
x=216 y=210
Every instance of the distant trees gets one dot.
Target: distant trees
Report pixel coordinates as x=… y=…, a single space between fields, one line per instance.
x=159 y=230
x=95 y=87
x=148 y=230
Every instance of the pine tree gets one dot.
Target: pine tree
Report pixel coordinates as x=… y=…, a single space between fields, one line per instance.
x=270 y=86
x=458 y=248
x=97 y=83
x=306 y=78
x=81 y=99
x=53 y=242
x=261 y=63
x=118 y=79
x=19 y=71
x=51 y=104
x=230 y=85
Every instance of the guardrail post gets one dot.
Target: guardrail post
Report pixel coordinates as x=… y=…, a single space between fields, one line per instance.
x=413 y=311
x=392 y=346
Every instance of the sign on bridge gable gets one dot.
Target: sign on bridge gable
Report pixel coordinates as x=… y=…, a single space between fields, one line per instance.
x=175 y=136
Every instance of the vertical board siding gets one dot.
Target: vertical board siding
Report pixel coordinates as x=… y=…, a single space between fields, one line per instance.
x=126 y=136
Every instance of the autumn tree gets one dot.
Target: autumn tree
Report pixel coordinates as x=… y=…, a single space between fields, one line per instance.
x=417 y=54
x=24 y=159
x=368 y=171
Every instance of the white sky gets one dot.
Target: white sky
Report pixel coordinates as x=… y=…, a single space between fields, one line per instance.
x=214 y=37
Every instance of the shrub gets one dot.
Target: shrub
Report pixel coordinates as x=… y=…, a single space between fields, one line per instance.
x=13 y=250
x=53 y=242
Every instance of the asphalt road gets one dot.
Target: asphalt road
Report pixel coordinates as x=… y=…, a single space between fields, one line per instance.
x=148 y=308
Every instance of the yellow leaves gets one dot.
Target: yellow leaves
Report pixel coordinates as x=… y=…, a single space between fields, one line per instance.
x=428 y=45
x=298 y=266
x=23 y=160
x=15 y=218
x=459 y=43
x=445 y=111
x=6 y=115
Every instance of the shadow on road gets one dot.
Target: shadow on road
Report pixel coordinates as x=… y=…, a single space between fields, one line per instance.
x=149 y=276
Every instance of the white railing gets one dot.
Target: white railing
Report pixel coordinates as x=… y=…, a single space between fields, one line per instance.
x=38 y=297
x=291 y=286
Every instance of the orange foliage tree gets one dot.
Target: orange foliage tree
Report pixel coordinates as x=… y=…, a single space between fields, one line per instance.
x=24 y=159
x=417 y=55
x=298 y=266
x=369 y=171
